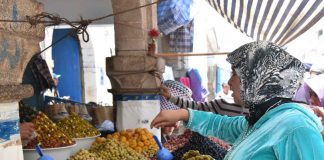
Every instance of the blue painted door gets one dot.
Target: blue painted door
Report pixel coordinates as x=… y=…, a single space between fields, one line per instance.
x=66 y=56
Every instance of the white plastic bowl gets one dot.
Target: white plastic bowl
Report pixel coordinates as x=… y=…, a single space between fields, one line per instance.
x=60 y=153
x=83 y=143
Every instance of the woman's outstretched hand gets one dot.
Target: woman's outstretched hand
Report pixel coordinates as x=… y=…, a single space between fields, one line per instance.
x=169 y=117
x=26 y=130
x=319 y=112
x=165 y=91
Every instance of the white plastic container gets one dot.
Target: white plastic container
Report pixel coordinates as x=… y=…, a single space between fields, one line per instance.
x=61 y=153
x=137 y=111
x=83 y=143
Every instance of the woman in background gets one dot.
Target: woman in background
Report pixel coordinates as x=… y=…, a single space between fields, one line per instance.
x=312 y=91
x=175 y=96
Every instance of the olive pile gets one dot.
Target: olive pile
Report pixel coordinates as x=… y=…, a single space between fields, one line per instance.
x=201 y=144
x=48 y=134
x=84 y=154
x=110 y=149
x=26 y=113
x=76 y=127
x=220 y=142
x=195 y=155
x=176 y=142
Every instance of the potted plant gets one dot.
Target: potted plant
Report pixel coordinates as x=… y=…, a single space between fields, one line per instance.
x=153 y=34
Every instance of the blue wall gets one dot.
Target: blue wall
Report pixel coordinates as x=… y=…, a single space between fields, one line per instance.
x=66 y=56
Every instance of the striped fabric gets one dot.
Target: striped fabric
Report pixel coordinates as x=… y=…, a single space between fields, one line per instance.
x=278 y=21
x=218 y=106
x=41 y=72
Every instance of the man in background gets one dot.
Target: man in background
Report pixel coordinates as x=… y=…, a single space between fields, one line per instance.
x=225 y=93
x=56 y=81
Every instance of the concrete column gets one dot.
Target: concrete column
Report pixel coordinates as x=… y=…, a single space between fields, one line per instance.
x=131 y=40
x=133 y=74
x=18 y=43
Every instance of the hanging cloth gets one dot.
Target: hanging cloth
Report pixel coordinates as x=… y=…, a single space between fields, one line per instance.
x=277 y=21
x=41 y=72
x=199 y=93
x=185 y=81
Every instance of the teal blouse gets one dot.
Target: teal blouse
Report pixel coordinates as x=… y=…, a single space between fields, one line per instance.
x=288 y=132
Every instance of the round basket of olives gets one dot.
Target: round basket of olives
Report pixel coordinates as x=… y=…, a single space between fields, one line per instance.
x=80 y=130
x=51 y=139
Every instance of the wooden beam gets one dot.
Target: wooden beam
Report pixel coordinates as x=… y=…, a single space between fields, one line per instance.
x=189 y=54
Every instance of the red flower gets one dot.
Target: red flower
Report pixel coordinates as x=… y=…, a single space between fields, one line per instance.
x=153 y=33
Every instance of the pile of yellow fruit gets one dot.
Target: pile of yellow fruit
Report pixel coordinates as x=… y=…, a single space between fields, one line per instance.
x=140 y=139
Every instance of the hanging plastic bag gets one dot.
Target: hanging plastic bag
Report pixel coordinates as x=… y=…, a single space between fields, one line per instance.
x=173 y=14
x=60 y=112
x=83 y=113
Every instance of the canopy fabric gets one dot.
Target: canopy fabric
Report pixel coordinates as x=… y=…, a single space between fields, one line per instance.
x=278 y=21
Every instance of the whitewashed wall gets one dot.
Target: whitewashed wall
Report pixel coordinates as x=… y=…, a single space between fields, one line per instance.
x=100 y=46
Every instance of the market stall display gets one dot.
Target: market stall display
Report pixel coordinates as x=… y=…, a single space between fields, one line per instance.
x=136 y=143
x=139 y=139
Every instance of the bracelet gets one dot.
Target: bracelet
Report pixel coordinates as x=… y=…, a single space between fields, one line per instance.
x=188 y=123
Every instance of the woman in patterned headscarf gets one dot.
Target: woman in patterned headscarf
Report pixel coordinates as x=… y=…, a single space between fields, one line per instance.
x=312 y=91
x=265 y=79
x=175 y=96
x=176 y=89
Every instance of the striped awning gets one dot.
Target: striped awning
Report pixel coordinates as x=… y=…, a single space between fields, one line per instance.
x=278 y=21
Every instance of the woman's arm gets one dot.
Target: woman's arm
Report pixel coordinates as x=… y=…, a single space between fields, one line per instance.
x=206 y=123
x=216 y=106
x=209 y=124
